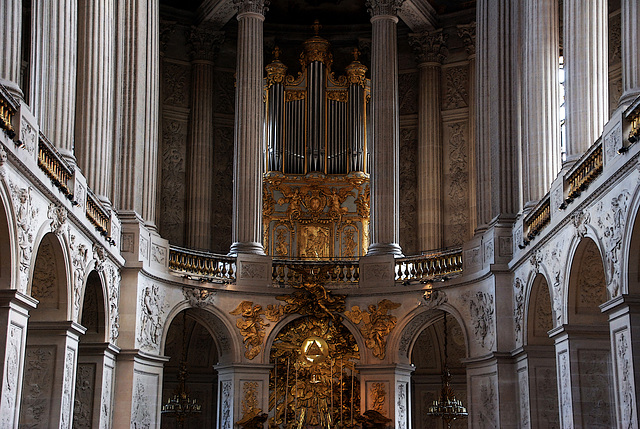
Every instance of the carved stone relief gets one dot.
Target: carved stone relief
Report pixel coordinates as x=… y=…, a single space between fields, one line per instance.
x=434 y=298
x=226 y=401
x=25 y=218
x=44 y=283
x=481 y=311
x=612 y=142
x=152 y=310
x=378 y=393
x=251 y=326
x=595 y=388
x=83 y=401
x=112 y=274
x=455 y=88
x=408 y=179
x=565 y=390
x=401 y=406
x=626 y=386
x=488 y=404
x=10 y=387
x=518 y=309
x=158 y=254
x=79 y=255
x=591 y=290
x=28 y=136
x=523 y=383
x=58 y=216
x=199 y=297
x=250 y=397
x=176 y=84
x=375 y=324
x=140 y=416
x=37 y=386
x=172 y=196
x=457 y=204
x=615 y=39
x=105 y=401
x=543 y=317
x=547 y=397
x=408 y=93
x=67 y=388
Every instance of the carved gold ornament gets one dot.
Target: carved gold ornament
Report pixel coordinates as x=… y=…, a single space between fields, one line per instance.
x=375 y=324
x=251 y=326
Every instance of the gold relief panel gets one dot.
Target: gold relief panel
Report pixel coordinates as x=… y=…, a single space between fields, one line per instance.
x=314 y=241
x=341 y=96
x=349 y=241
x=295 y=95
x=281 y=241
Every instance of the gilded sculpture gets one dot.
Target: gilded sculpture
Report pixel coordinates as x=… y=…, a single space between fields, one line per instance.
x=375 y=324
x=251 y=326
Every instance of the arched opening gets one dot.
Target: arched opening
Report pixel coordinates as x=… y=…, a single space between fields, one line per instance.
x=428 y=356
x=96 y=360
x=52 y=343
x=537 y=374
x=193 y=354
x=633 y=261
x=6 y=257
x=583 y=350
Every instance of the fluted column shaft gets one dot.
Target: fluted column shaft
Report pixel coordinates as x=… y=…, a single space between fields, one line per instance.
x=586 y=76
x=430 y=52
x=541 y=145
x=95 y=94
x=11 y=42
x=53 y=76
x=248 y=132
x=385 y=177
x=137 y=98
x=497 y=109
x=203 y=45
x=630 y=50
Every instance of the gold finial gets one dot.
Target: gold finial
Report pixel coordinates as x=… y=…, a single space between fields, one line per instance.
x=276 y=53
x=316 y=27
x=355 y=53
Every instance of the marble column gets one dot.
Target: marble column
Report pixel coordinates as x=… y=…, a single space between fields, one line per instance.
x=246 y=234
x=14 y=313
x=467 y=33
x=586 y=73
x=11 y=42
x=203 y=46
x=53 y=71
x=385 y=137
x=50 y=373
x=497 y=110
x=630 y=44
x=430 y=51
x=95 y=94
x=137 y=95
x=541 y=142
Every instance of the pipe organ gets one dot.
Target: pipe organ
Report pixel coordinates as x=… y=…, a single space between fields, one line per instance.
x=316 y=189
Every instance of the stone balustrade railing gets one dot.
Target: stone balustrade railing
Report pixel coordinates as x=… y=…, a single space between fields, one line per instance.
x=8 y=109
x=56 y=168
x=202 y=266
x=98 y=215
x=430 y=266
x=538 y=218
x=584 y=171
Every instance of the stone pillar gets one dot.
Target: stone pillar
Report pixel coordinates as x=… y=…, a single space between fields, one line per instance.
x=248 y=165
x=11 y=42
x=138 y=390
x=624 y=330
x=238 y=384
x=94 y=117
x=385 y=136
x=586 y=73
x=14 y=313
x=468 y=35
x=53 y=72
x=630 y=42
x=430 y=51
x=50 y=373
x=95 y=379
x=541 y=143
x=137 y=81
x=537 y=387
x=583 y=361
x=498 y=106
x=203 y=46
x=395 y=380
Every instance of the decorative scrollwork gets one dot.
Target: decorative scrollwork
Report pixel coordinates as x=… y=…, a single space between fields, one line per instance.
x=375 y=324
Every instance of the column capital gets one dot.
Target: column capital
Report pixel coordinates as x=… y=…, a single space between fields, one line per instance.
x=251 y=6
x=467 y=32
x=203 y=42
x=429 y=46
x=383 y=7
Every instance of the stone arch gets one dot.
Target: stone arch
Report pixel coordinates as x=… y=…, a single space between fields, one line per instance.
x=630 y=251
x=8 y=256
x=93 y=311
x=586 y=284
x=188 y=337
x=538 y=318
x=50 y=281
x=218 y=326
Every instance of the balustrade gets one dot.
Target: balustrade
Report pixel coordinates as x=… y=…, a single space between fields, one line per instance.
x=56 y=168
x=203 y=266
x=431 y=266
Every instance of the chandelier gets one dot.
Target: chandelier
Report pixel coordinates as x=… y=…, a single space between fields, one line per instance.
x=447 y=406
x=180 y=405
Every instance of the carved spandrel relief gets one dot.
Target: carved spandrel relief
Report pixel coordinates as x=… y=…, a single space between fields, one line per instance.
x=199 y=297
x=457 y=203
x=518 y=309
x=57 y=214
x=251 y=326
x=152 y=310
x=37 y=386
x=172 y=196
x=481 y=309
x=25 y=218
x=83 y=401
x=375 y=324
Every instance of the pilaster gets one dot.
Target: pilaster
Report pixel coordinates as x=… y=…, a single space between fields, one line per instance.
x=246 y=234
x=630 y=61
x=241 y=386
x=11 y=42
x=430 y=50
x=385 y=140
x=388 y=385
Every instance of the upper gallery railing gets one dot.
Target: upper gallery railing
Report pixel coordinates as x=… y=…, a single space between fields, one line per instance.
x=429 y=266
x=537 y=219
x=285 y=271
x=203 y=266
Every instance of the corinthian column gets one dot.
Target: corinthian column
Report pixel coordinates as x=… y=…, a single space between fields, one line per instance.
x=203 y=46
x=385 y=177
x=94 y=118
x=585 y=54
x=430 y=51
x=541 y=144
x=11 y=42
x=467 y=33
x=248 y=131
x=630 y=58
x=137 y=101
x=53 y=74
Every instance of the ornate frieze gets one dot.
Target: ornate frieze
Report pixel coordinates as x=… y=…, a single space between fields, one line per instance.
x=203 y=42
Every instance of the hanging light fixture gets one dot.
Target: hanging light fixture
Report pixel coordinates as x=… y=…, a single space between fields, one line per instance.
x=447 y=406
x=180 y=405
